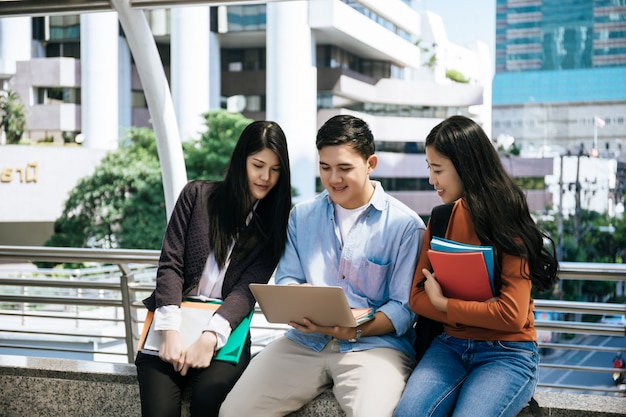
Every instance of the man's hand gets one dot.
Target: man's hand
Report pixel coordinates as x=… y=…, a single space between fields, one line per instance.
x=338 y=332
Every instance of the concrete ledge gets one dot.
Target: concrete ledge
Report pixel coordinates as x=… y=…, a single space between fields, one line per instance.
x=62 y=388
x=58 y=387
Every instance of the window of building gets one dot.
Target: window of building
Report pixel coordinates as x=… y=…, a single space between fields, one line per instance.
x=138 y=99
x=255 y=103
x=400 y=147
x=330 y=56
x=243 y=59
x=405 y=184
x=63 y=49
x=392 y=184
x=247 y=18
x=64 y=27
x=401 y=110
x=324 y=101
x=370 y=14
x=56 y=95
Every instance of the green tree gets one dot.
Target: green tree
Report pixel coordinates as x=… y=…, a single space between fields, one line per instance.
x=207 y=157
x=12 y=117
x=122 y=204
x=592 y=239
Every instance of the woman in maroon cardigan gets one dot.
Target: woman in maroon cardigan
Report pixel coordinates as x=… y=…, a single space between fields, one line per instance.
x=221 y=237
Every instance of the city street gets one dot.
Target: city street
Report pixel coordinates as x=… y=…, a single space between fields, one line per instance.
x=596 y=381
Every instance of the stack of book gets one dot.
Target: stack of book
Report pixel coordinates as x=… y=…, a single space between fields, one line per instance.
x=464 y=271
x=195 y=317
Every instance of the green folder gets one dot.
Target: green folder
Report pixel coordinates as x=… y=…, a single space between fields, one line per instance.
x=231 y=351
x=191 y=328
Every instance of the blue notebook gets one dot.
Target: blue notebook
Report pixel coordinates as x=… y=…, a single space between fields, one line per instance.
x=447 y=245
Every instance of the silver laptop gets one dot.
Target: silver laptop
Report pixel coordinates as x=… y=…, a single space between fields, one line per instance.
x=324 y=306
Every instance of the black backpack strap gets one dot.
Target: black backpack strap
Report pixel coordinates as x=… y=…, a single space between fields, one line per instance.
x=535 y=409
x=439 y=218
x=426 y=329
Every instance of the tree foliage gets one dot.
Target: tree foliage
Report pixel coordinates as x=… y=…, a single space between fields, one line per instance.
x=12 y=117
x=207 y=157
x=122 y=204
x=594 y=238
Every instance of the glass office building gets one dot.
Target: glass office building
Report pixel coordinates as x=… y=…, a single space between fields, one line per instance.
x=560 y=82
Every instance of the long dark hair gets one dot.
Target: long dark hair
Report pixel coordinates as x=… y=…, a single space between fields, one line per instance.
x=229 y=204
x=496 y=202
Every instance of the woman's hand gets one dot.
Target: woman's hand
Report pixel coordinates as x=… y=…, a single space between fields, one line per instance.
x=434 y=292
x=172 y=349
x=200 y=353
x=338 y=332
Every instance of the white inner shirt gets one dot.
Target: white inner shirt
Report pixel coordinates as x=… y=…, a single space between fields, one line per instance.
x=346 y=218
x=210 y=287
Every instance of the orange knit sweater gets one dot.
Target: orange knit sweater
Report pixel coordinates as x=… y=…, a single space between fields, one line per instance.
x=510 y=318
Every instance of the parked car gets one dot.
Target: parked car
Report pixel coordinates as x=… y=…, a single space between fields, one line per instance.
x=618 y=319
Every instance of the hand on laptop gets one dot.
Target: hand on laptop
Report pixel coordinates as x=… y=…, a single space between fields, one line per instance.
x=338 y=332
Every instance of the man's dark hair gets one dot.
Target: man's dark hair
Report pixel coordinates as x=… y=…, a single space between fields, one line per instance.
x=346 y=129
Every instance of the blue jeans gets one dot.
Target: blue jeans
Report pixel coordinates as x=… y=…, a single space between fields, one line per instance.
x=458 y=377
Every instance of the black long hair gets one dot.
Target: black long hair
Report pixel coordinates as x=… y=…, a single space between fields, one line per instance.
x=230 y=202
x=497 y=204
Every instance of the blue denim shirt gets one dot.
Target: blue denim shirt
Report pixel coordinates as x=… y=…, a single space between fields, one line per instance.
x=374 y=266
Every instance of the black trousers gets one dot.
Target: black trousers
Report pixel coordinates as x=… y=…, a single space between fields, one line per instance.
x=161 y=388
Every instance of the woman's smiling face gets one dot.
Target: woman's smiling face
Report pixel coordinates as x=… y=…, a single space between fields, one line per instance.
x=263 y=170
x=443 y=176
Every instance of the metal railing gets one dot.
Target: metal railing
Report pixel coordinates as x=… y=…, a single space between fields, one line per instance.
x=97 y=311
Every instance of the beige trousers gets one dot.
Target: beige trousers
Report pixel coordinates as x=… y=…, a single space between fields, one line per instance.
x=285 y=375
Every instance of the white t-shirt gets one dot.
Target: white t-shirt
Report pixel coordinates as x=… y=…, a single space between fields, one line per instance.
x=347 y=217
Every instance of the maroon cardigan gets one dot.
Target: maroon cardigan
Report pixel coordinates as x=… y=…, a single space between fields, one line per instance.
x=185 y=251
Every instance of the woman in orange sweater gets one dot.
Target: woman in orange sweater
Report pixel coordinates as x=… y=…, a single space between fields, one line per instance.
x=485 y=363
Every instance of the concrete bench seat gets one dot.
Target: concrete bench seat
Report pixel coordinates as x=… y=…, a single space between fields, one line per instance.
x=32 y=386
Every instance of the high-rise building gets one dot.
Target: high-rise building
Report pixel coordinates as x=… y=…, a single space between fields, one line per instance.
x=560 y=82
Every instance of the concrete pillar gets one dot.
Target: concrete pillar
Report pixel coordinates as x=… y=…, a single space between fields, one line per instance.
x=292 y=88
x=190 y=51
x=125 y=88
x=485 y=78
x=15 y=35
x=99 y=34
x=215 y=72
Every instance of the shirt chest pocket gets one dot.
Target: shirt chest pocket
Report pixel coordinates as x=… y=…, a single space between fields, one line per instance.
x=372 y=280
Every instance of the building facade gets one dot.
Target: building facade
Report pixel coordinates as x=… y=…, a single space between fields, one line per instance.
x=560 y=90
x=560 y=71
x=298 y=63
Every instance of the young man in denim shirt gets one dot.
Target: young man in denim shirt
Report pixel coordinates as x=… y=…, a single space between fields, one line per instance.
x=355 y=236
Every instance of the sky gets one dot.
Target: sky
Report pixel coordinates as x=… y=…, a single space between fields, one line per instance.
x=466 y=20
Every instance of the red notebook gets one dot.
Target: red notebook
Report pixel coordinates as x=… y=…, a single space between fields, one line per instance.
x=462 y=275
